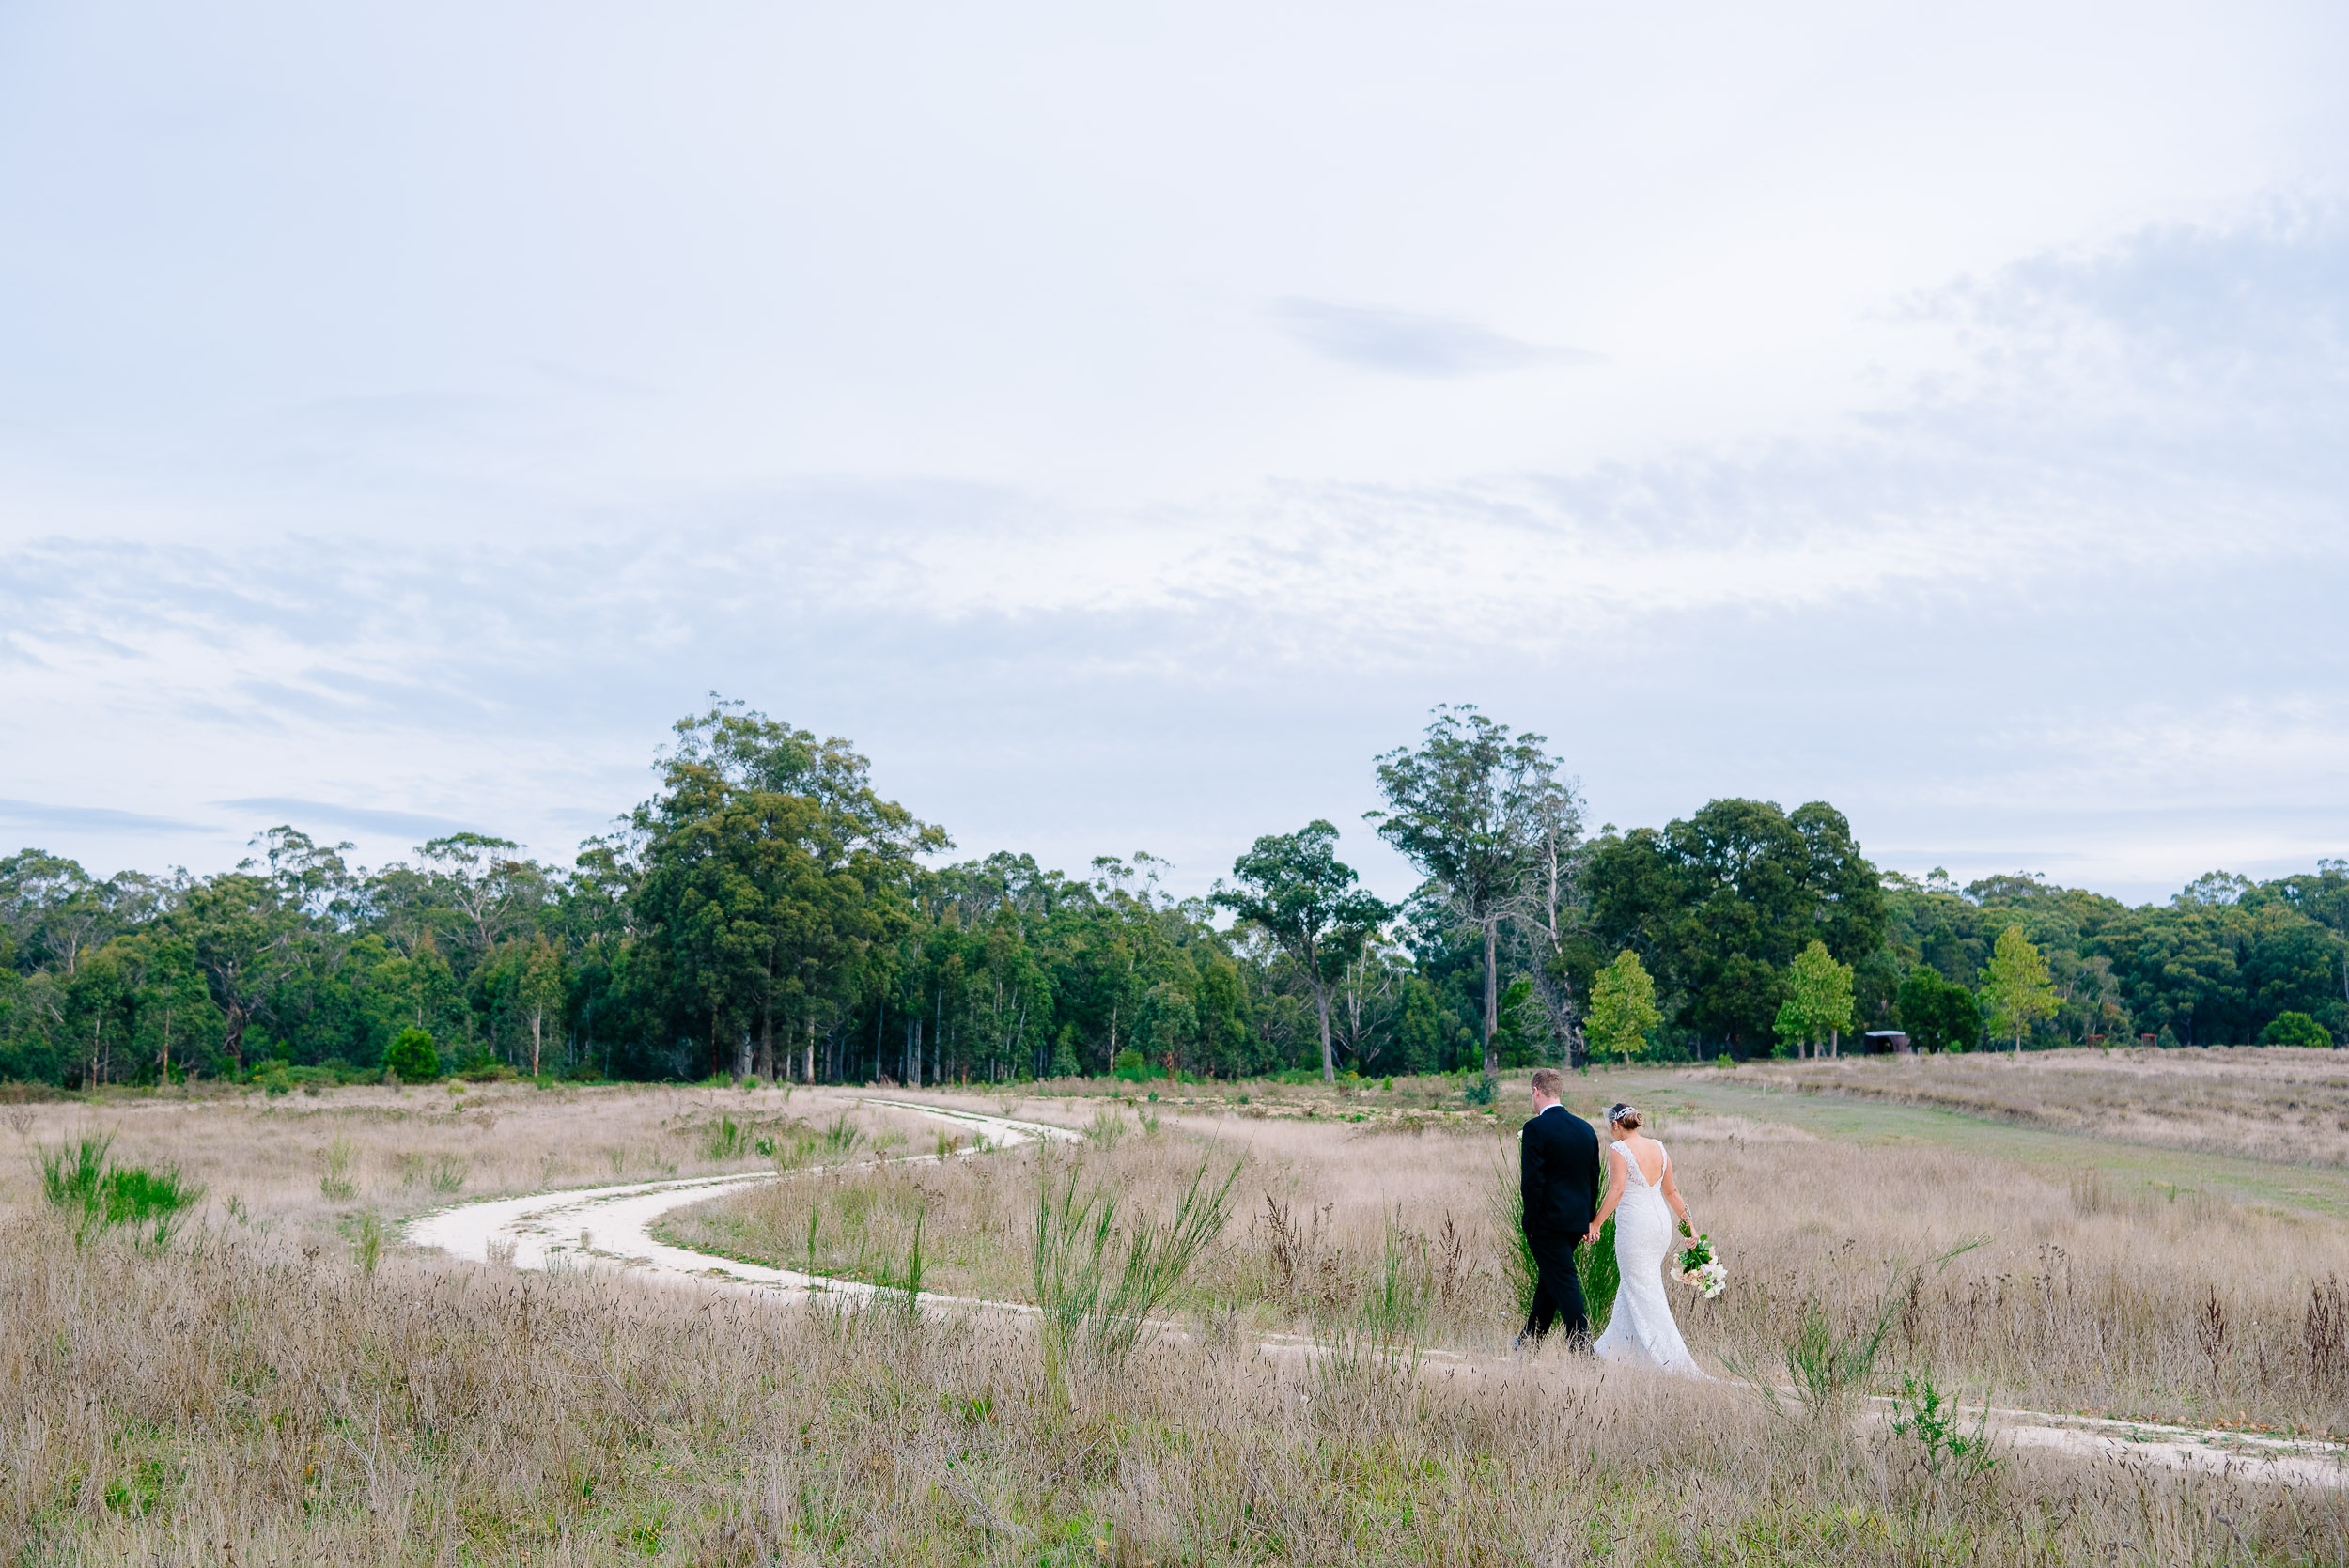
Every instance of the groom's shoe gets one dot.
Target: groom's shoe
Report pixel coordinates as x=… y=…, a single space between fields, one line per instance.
x=1516 y=1346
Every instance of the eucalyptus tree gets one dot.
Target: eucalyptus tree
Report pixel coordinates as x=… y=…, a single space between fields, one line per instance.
x=1293 y=888
x=1469 y=808
x=771 y=870
x=242 y=936
x=1719 y=904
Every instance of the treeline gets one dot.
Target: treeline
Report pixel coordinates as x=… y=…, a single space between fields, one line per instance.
x=1720 y=906
x=767 y=912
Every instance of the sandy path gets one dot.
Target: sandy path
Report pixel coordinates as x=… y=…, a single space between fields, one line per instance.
x=611 y=1225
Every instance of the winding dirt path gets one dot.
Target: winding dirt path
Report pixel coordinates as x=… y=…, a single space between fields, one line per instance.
x=611 y=1226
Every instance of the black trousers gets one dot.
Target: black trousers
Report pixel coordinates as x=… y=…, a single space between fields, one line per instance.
x=1558 y=1295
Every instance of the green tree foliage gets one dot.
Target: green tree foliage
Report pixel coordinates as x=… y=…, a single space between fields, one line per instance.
x=769 y=910
x=2295 y=1029
x=412 y=1057
x=1294 y=889
x=1818 y=1004
x=1719 y=905
x=1937 y=1013
x=773 y=873
x=1472 y=808
x=2014 y=987
x=1623 y=1007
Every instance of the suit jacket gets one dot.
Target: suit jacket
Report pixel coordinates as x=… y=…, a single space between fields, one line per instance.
x=1558 y=1173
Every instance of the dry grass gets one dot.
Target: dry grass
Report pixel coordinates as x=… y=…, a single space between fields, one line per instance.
x=251 y=1389
x=274 y=1161
x=2084 y=1295
x=2273 y=1102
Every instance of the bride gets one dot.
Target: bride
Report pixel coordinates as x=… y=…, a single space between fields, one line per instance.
x=1639 y=1180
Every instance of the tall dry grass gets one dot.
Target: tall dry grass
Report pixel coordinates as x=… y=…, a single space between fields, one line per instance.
x=253 y=1388
x=233 y=1401
x=2273 y=1102
x=2084 y=1293
x=313 y=1162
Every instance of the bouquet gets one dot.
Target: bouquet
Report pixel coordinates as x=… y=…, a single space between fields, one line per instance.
x=1700 y=1271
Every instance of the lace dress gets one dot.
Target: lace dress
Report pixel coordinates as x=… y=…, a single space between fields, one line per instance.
x=1642 y=1332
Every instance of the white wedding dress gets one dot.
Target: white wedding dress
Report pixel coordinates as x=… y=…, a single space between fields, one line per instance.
x=1642 y=1332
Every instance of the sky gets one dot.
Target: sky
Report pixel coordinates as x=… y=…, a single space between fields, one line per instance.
x=1124 y=423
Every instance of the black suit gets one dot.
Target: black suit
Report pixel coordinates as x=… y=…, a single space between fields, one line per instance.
x=1558 y=1175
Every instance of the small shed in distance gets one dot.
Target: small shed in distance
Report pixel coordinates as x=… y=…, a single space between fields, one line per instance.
x=1887 y=1040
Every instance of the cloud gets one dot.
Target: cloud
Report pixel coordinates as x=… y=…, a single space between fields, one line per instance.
x=2073 y=571
x=39 y=815
x=299 y=813
x=1409 y=345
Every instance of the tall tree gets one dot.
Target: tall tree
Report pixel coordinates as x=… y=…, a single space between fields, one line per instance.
x=1293 y=888
x=1720 y=903
x=241 y=933
x=771 y=868
x=1465 y=808
x=2017 y=988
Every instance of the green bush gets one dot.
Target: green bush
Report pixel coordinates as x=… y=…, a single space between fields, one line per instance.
x=2295 y=1029
x=413 y=1057
x=1131 y=1066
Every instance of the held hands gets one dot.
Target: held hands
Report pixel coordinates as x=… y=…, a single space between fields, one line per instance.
x=1590 y=1237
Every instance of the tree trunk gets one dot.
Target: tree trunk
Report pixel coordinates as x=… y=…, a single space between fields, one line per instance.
x=811 y=1050
x=714 y=1062
x=767 y=1044
x=1328 y=1058
x=1492 y=993
x=1835 y=1043
x=537 y=1040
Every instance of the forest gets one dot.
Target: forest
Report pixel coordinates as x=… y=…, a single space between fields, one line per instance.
x=768 y=913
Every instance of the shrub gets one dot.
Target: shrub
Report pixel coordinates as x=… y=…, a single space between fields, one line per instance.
x=1131 y=1066
x=412 y=1056
x=78 y=1179
x=2295 y=1029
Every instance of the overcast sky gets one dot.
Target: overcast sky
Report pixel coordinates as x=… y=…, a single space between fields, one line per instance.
x=1123 y=422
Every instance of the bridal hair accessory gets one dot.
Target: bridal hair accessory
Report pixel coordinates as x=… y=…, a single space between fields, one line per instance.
x=1700 y=1271
x=1620 y=1113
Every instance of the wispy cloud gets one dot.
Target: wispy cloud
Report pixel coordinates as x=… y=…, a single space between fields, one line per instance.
x=1406 y=344
x=41 y=815
x=307 y=814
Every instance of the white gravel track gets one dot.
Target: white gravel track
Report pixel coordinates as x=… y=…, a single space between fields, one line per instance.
x=612 y=1225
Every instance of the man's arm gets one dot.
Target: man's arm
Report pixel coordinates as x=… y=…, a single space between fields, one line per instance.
x=1529 y=1171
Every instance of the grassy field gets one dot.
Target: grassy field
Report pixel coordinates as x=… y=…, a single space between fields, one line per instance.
x=2271 y=1103
x=266 y=1383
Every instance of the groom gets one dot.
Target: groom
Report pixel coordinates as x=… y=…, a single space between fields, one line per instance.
x=1558 y=1166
